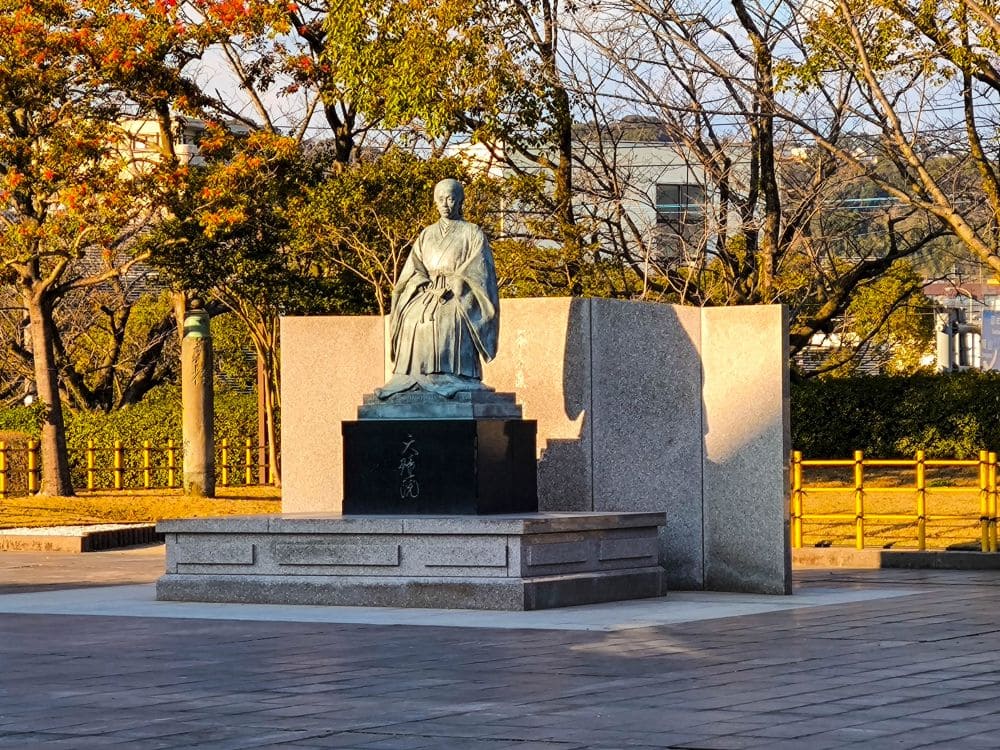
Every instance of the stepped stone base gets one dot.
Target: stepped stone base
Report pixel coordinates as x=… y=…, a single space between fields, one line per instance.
x=481 y=404
x=511 y=562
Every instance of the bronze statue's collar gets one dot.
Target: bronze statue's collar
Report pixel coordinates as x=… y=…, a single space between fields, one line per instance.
x=446 y=225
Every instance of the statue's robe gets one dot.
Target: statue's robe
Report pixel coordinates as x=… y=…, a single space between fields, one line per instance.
x=445 y=315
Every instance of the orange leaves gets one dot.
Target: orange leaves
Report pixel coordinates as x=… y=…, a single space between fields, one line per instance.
x=226 y=18
x=69 y=68
x=163 y=8
x=175 y=179
x=28 y=38
x=229 y=12
x=232 y=187
x=76 y=197
x=13 y=179
x=216 y=222
x=302 y=64
x=214 y=140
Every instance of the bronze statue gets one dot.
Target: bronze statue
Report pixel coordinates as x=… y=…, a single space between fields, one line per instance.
x=445 y=314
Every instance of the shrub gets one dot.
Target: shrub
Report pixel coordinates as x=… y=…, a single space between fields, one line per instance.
x=157 y=418
x=17 y=460
x=948 y=416
x=21 y=419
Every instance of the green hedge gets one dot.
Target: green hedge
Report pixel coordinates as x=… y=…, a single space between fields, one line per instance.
x=948 y=416
x=156 y=418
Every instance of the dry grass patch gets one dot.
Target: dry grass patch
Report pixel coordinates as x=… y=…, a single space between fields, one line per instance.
x=136 y=506
x=953 y=507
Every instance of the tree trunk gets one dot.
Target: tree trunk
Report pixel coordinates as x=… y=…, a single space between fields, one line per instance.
x=562 y=171
x=55 y=463
x=264 y=335
x=270 y=412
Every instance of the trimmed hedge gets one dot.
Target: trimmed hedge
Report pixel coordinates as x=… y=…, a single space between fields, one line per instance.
x=948 y=416
x=156 y=418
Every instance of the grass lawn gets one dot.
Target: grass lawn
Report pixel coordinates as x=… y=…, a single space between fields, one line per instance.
x=135 y=506
x=952 y=507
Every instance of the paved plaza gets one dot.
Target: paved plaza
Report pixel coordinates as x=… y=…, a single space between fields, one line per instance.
x=861 y=659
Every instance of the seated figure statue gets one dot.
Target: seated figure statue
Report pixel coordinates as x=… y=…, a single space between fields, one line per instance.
x=445 y=314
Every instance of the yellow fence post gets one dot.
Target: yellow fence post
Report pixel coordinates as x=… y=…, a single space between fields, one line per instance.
x=3 y=469
x=91 y=463
x=984 y=501
x=859 y=500
x=797 y=499
x=225 y=462
x=992 y=509
x=171 y=464
x=147 y=464
x=32 y=466
x=118 y=466
x=249 y=461
x=921 y=501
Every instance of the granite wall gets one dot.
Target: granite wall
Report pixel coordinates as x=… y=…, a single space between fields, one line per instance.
x=640 y=407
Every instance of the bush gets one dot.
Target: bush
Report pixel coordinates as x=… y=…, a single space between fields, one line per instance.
x=948 y=416
x=21 y=419
x=157 y=418
x=17 y=460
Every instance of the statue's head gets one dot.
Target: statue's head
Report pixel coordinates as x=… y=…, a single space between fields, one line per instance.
x=448 y=197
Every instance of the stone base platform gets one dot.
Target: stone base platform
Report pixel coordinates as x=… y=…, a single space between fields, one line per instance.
x=509 y=562
x=89 y=538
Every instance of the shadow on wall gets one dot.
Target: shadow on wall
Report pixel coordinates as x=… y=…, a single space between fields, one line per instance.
x=616 y=390
x=619 y=393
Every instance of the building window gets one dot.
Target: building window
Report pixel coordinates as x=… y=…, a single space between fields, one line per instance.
x=191 y=136
x=680 y=205
x=680 y=221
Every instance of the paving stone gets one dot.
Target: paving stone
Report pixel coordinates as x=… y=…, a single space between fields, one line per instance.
x=896 y=673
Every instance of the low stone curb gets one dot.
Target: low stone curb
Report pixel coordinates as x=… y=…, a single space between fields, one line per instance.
x=81 y=540
x=843 y=557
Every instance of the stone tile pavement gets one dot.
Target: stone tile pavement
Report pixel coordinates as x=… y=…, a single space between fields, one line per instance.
x=870 y=659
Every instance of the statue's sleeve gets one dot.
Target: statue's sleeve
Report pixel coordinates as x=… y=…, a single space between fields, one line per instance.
x=479 y=300
x=411 y=280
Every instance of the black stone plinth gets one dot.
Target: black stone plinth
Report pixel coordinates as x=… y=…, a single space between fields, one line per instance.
x=440 y=466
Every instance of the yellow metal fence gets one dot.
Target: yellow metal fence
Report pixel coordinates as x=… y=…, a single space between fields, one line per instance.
x=121 y=467
x=985 y=468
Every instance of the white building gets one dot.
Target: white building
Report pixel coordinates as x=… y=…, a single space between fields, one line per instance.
x=145 y=139
x=631 y=185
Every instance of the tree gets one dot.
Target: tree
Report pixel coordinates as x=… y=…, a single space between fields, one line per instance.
x=757 y=223
x=114 y=342
x=228 y=236
x=69 y=202
x=908 y=59
x=401 y=73
x=889 y=324
x=363 y=220
x=295 y=61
